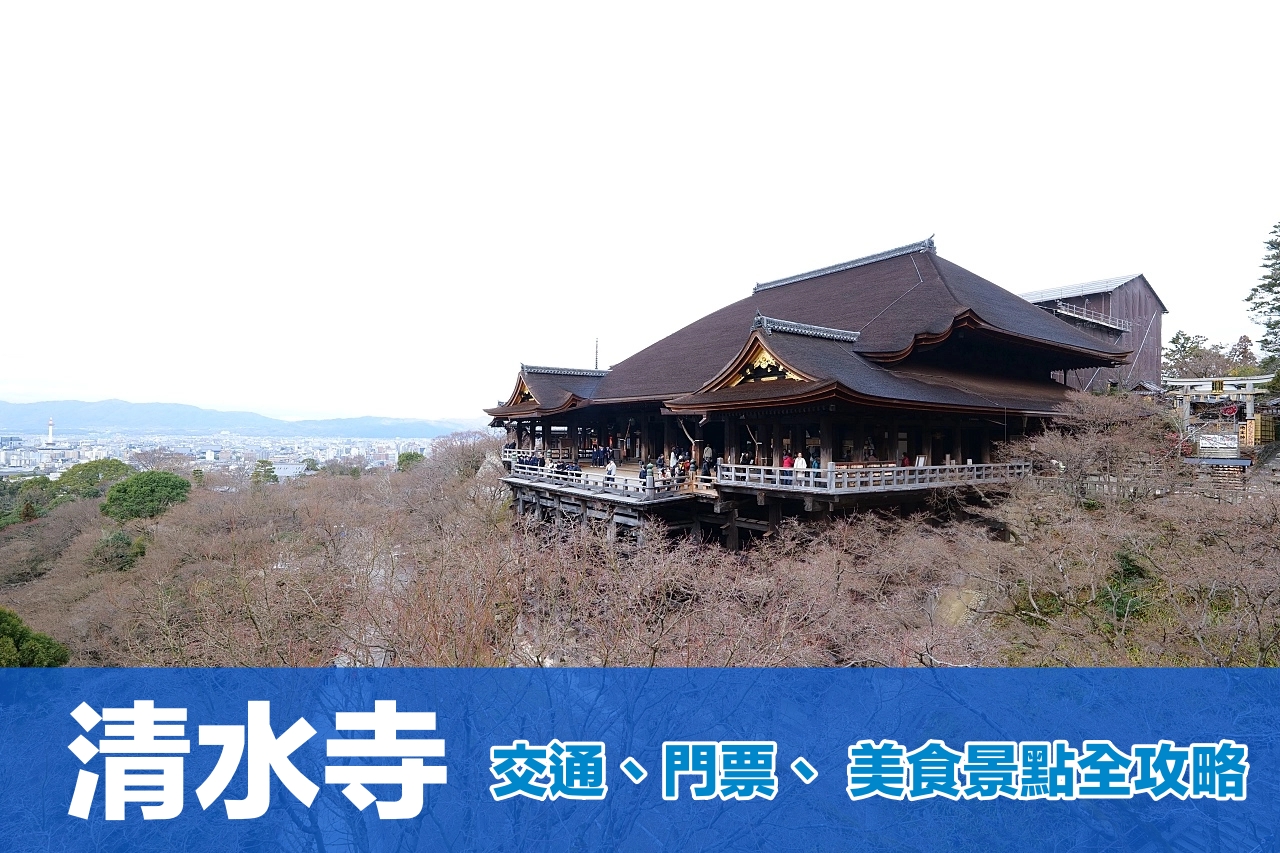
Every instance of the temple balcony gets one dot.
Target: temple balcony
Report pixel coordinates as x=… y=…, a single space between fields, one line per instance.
x=834 y=481
x=625 y=487
x=862 y=478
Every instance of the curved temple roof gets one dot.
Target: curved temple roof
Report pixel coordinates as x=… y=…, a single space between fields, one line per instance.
x=833 y=370
x=855 y=318
x=544 y=390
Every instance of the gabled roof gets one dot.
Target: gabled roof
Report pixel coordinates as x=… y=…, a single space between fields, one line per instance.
x=543 y=390
x=892 y=302
x=1088 y=288
x=831 y=369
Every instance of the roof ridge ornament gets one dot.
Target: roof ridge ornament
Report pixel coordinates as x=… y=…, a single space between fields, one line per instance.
x=769 y=325
x=923 y=246
x=562 y=371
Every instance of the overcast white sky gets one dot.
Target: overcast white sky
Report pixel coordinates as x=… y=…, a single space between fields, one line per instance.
x=323 y=210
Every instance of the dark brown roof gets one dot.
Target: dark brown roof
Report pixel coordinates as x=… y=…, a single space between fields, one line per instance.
x=893 y=303
x=837 y=371
x=553 y=389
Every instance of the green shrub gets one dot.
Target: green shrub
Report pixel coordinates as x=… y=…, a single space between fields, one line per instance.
x=20 y=646
x=117 y=552
x=408 y=459
x=145 y=495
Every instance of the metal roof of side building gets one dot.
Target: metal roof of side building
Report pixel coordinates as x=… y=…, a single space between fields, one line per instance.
x=1088 y=288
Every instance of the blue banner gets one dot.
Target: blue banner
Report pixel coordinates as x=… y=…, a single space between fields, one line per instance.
x=644 y=760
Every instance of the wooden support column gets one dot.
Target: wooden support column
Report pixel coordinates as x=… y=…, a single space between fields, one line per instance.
x=957 y=443
x=732 y=429
x=984 y=451
x=668 y=435
x=827 y=428
x=731 y=540
x=926 y=442
x=775 y=515
x=777 y=444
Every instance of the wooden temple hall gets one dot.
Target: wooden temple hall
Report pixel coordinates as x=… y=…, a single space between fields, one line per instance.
x=879 y=379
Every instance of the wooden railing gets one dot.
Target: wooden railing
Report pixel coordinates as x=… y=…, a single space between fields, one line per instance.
x=617 y=484
x=887 y=478
x=514 y=454
x=558 y=454
x=830 y=480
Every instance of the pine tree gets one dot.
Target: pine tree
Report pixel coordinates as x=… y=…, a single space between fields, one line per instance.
x=264 y=472
x=1264 y=298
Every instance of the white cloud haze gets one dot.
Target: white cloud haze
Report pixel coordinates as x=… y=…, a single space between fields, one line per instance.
x=321 y=209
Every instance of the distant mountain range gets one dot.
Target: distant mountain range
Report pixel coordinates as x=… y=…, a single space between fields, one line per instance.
x=73 y=417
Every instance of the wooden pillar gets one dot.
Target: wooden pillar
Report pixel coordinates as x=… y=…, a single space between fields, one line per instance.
x=827 y=428
x=926 y=442
x=731 y=431
x=644 y=451
x=731 y=540
x=984 y=451
x=775 y=515
x=957 y=443
x=776 y=459
x=668 y=435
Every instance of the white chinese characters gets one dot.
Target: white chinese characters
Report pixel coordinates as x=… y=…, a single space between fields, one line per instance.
x=144 y=747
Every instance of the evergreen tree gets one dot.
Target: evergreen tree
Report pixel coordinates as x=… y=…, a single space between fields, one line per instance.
x=20 y=646
x=145 y=495
x=1264 y=298
x=408 y=459
x=264 y=472
x=91 y=479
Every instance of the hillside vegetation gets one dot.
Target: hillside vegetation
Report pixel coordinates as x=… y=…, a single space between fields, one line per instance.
x=1107 y=557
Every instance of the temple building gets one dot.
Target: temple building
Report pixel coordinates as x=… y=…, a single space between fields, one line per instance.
x=889 y=376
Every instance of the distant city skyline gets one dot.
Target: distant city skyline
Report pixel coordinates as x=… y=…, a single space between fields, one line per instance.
x=303 y=416
x=116 y=416
x=311 y=211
